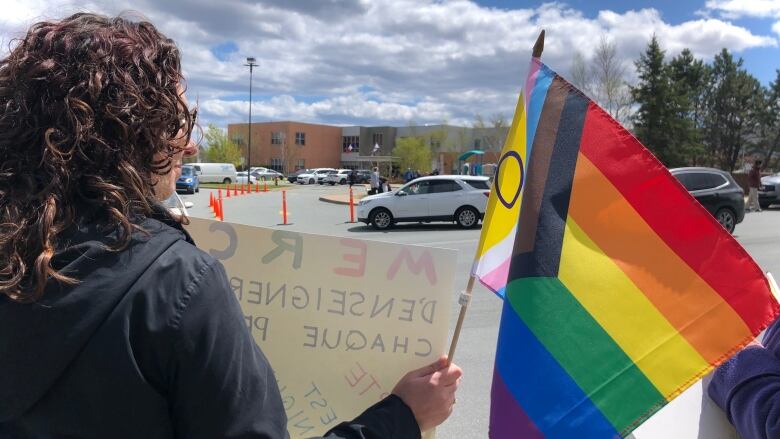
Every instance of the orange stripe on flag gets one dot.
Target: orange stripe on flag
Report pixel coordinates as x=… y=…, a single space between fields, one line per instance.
x=679 y=293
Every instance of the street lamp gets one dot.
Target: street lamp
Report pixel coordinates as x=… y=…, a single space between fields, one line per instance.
x=250 y=61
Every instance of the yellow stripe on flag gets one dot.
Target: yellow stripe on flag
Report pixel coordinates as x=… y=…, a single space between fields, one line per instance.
x=626 y=314
x=500 y=221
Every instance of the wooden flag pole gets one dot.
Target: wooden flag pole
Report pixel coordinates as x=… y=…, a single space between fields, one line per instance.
x=463 y=300
x=465 y=297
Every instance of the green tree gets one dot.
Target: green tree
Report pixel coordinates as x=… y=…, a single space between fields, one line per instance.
x=689 y=77
x=219 y=148
x=769 y=121
x=413 y=153
x=735 y=102
x=654 y=121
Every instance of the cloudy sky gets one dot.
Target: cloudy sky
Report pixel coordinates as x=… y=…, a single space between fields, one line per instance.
x=389 y=62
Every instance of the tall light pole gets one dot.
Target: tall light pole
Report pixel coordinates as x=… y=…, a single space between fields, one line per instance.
x=250 y=61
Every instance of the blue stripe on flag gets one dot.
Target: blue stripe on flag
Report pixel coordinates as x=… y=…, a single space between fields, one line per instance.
x=535 y=104
x=542 y=387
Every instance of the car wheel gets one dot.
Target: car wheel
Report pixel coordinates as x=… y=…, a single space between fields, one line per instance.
x=197 y=189
x=226 y=181
x=764 y=205
x=311 y=181
x=467 y=217
x=332 y=183
x=381 y=219
x=727 y=219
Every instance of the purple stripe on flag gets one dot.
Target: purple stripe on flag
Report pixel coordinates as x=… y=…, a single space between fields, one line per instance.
x=507 y=419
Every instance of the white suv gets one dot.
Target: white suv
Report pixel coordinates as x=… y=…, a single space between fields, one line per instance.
x=458 y=198
x=311 y=177
x=339 y=177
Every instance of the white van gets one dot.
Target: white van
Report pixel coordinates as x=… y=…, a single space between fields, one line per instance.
x=215 y=172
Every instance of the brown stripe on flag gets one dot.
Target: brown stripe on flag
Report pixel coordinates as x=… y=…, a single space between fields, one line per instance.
x=539 y=164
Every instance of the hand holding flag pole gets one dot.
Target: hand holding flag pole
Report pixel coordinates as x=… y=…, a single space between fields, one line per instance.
x=503 y=214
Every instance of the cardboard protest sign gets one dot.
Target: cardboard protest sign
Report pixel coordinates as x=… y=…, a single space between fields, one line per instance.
x=340 y=319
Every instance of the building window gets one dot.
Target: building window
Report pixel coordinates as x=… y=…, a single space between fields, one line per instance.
x=301 y=164
x=238 y=139
x=276 y=164
x=435 y=143
x=350 y=143
x=477 y=144
x=300 y=138
x=276 y=138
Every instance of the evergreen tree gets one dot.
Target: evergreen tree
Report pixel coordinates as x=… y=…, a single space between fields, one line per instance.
x=735 y=105
x=655 y=123
x=689 y=77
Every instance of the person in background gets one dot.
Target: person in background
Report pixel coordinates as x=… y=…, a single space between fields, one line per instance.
x=375 y=181
x=754 y=182
x=112 y=323
x=408 y=175
x=352 y=178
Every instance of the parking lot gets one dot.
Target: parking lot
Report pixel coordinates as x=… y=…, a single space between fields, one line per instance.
x=759 y=233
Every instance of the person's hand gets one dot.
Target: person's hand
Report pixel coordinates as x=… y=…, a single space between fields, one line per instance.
x=430 y=392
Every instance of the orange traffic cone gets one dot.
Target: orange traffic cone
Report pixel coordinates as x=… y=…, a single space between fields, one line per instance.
x=257 y=187
x=211 y=200
x=265 y=186
x=235 y=190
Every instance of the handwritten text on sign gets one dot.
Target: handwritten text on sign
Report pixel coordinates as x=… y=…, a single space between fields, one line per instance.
x=340 y=319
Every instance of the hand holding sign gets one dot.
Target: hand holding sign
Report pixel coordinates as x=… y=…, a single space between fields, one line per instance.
x=430 y=392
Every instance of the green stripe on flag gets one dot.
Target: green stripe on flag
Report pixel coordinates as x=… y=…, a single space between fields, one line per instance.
x=582 y=347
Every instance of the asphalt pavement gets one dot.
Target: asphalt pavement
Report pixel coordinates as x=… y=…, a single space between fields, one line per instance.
x=759 y=233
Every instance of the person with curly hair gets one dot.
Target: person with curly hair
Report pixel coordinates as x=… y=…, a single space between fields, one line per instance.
x=112 y=323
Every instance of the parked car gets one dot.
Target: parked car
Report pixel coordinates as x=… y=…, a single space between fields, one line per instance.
x=176 y=205
x=292 y=177
x=188 y=181
x=241 y=178
x=312 y=176
x=266 y=174
x=215 y=172
x=717 y=191
x=458 y=198
x=339 y=177
x=321 y=177
x=363 y=176
x=769 y=191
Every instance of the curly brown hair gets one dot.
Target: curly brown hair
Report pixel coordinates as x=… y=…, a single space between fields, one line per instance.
x=88 y=104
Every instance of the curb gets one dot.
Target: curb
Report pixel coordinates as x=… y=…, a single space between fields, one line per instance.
x=333 y=200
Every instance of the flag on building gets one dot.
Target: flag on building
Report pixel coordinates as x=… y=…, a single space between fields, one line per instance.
x=621 y=290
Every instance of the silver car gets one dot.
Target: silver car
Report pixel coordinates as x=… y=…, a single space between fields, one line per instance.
x=769 y=191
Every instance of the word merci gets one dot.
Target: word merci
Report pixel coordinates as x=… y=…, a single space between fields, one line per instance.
x=355 y=254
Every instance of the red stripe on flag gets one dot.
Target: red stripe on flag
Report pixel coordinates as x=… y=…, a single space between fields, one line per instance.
x=683 y=224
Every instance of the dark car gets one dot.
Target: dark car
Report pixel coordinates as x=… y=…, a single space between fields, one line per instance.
x=292 y=177
x=717 y=191
x=363 y=176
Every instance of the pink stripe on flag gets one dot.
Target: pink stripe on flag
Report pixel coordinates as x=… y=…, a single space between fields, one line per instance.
x=496 y=279
x=507 y=419
x=530 y=81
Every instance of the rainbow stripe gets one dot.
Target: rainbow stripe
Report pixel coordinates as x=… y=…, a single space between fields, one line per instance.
x=491 y=264
x=622 y=290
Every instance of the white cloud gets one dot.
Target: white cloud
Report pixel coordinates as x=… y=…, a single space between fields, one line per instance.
x=743 y=8
x=385 y=61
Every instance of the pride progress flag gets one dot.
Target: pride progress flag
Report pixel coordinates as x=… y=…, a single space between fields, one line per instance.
x=621 y=290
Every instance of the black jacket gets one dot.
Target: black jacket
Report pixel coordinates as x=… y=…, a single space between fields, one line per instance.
x=150 y=344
